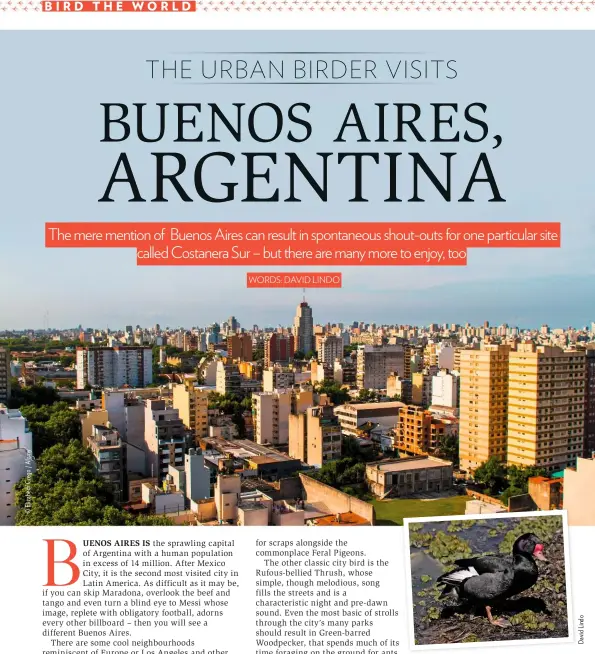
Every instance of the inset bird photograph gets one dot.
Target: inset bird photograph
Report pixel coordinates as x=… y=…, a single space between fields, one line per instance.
x=488 y=579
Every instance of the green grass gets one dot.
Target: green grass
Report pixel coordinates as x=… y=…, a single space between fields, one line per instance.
x=392 y=512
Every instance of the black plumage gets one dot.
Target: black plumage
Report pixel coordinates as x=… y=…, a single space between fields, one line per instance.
x=487 y=580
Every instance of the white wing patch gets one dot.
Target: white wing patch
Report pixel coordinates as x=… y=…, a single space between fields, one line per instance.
x=460 y=575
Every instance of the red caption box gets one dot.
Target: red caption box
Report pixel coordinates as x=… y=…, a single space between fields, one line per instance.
x=303 y=244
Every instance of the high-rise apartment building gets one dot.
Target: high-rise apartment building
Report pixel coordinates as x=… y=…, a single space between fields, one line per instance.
x=239 y=346
x=192 y=403
x=232 y=324
x=344 y=372
x=303 y=328
x=315 y=435
x=4 y=374
x=546 y=406
x=483 y=405
x=320 y=372
x=430 y=355
x=457 y=357
x=165 y=438
x=114 y=367
x=421 y=386
x=229 y=378
x=109 y=452
x=126 y=412
x=330 y=348
x=278 y=348
x=376 y=362
x=276 y=378
x=197 y=477
x=446 y=357
x=270 y=417
x=190 y=342
x=301 y=400
x=418 y=431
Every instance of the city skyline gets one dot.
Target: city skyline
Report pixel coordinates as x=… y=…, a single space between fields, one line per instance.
x=529 y=306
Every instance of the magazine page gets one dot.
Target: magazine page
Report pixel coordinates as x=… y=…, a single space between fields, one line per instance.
x=297 y=347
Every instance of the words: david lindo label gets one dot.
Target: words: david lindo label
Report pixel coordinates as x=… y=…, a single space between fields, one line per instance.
x=294 y=280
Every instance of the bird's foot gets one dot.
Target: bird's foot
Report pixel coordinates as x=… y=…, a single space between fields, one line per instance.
x=501 y=622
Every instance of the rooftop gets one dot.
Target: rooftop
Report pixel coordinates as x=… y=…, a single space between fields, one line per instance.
x=253 y=484
x=259 y=460
x=364 y=406
x=409 y=463
x=253 y=500
x=252 y=505
x=547 y=480
x=11 y=413
x=245 y=449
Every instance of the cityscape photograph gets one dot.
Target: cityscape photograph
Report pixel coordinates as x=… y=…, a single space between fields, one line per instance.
x=335 y=424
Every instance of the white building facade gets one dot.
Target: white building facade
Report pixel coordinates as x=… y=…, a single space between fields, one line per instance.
x=16 y=460
x=445 y=389
x=114 y=367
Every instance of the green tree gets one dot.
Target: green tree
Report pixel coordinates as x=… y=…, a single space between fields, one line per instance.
x=448 y=448
x=492 y=474
x=511 y=491
x=22 y=344
x=366 y=395
x=347 y=471
x=231 y=405
x=65 y=490
x=350 y=448
x=337 y=393
x=51 y=425
x=518 y=476
x=37 y=395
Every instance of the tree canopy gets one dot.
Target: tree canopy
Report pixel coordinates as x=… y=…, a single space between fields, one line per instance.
x=343 y=472
x=336 y=392
x=506 y=481
x=448 y=448
x=366 y=395
x=37 y=395
x=65 y=490
x=52 y=424
x=231 y=405
x=492 y=474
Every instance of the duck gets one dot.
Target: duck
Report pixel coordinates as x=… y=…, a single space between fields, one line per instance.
x=487 y=580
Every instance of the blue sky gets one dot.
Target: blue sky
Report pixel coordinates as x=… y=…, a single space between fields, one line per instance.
x=53 y=167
